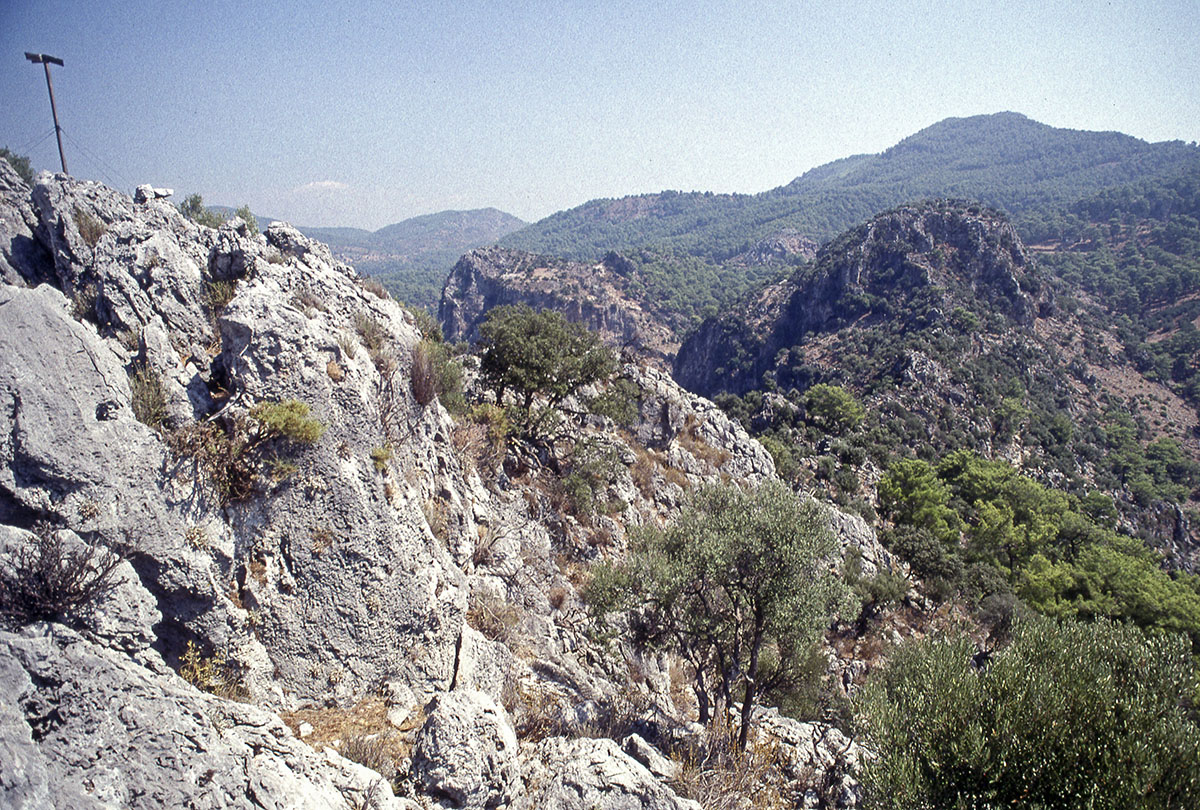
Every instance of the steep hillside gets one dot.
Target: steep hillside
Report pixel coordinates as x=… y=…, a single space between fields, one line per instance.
x=904 y=270
x=1004 y=160
x=943 y=334
x=248 y=560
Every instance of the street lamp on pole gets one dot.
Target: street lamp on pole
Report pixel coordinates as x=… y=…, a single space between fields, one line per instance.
x=46 y=61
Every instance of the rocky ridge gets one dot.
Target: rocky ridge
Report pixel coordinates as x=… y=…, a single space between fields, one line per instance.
x=398 y=559
x=915 y=262
x=591 y=294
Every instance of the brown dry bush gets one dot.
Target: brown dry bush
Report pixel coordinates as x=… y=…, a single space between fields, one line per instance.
x=90 y=227
x=714 y=773
x=374 y=286
x=148 y=397
x=424 y=380
x=48 y=581
x=496 y=618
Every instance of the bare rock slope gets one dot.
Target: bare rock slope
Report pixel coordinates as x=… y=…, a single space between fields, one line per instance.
x=300 y=539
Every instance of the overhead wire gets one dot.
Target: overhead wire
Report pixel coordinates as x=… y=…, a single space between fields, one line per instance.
x=36 y=142
x=113 y=176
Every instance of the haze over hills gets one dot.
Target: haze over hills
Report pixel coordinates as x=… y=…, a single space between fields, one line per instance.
x=1005 y=160
x=411 y=257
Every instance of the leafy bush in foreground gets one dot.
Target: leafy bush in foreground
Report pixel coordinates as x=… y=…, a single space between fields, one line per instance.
x=1069 y=715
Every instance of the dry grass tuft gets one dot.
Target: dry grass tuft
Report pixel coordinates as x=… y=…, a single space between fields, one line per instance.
x=714 y=773
x=494 y=617
x=361 y=733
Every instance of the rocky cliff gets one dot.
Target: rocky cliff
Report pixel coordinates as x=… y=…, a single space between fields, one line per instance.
x=308 y=571
x=594 y=295
x=910 y=266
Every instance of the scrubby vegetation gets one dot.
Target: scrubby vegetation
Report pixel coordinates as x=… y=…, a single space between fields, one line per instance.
x=194 y=209
x=1067 y=715
x=739 y=585
x=234 y=452
x=46 y=579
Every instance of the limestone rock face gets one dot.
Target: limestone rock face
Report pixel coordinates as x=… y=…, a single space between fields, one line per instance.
x=146 y=192
x=84 y=726
x=21 y=255
x=590 y=773
x=669 y=414
x=593 y=295
x=466 y=753
x=817 y=748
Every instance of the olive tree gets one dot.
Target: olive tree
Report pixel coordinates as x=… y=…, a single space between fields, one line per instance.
x=1069 y=715
x=539 y=354
x=741 y=584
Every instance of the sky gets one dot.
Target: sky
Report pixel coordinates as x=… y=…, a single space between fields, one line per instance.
x=338 y=113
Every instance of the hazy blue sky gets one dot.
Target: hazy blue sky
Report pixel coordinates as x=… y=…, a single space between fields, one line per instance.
x=358 y=113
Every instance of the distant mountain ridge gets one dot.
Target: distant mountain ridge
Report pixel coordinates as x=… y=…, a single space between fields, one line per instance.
x=1004 y=160
x=413 y=257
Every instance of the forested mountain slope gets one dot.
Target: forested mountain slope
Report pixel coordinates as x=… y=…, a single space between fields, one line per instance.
x=932 y=330
x=1004 y=160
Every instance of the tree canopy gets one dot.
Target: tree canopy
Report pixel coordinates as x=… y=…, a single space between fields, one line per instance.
x=540 y=354
x=1069 y=715
x=741 y=584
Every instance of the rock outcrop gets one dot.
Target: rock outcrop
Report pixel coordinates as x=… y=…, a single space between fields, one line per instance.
x=232 y=414
x=594 y=295
x=913 y=264
x=466 y=753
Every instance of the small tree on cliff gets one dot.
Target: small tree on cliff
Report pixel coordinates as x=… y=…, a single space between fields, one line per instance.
x=540 y=354
x=740 y=584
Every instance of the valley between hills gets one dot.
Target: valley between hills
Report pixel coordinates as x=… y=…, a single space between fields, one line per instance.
x=880 y=489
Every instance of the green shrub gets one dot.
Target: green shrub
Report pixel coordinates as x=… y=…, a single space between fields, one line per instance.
x=1069 y=715
x=217 y=295
x=211 y=673
x=592 y=467
x=380 y=456
x=833 y=408
x=290 y=419
x=193 y=208
x=244 y=215
x=739 y=585
x=426 y=324
x=435 y=373
x=148 y=397
x=20 y=164
x=618 y=402
x=540 y=354
x=496 y=420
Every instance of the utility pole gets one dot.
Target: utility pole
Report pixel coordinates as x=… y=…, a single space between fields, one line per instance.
x=46 y=61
